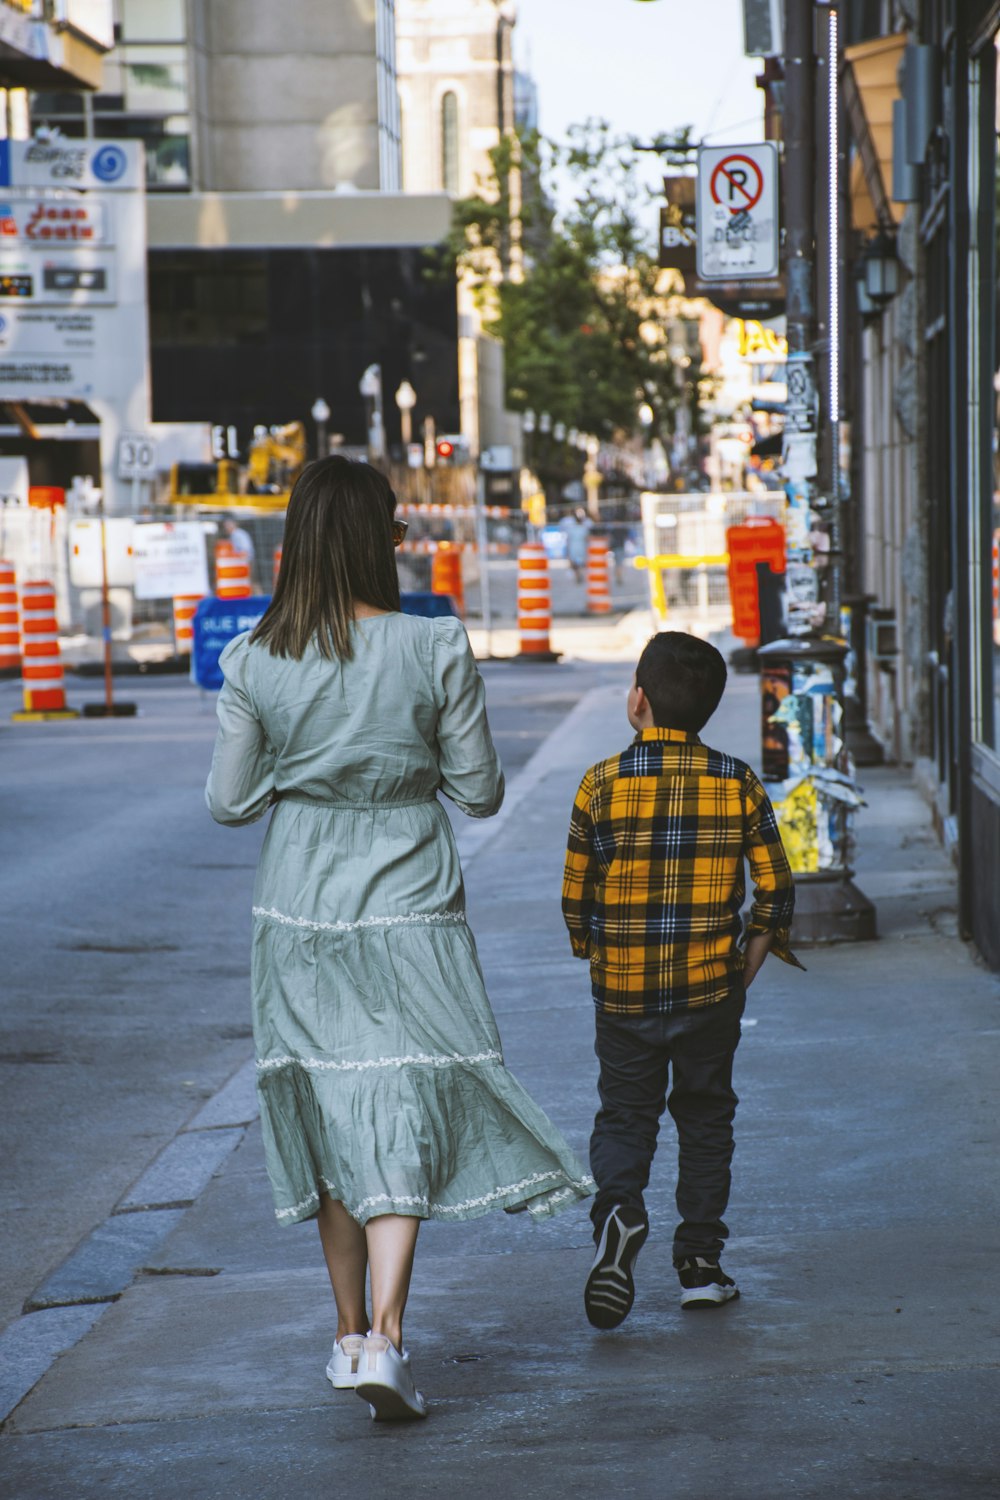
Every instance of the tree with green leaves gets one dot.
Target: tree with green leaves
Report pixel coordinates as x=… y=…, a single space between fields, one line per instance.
x=578 y=297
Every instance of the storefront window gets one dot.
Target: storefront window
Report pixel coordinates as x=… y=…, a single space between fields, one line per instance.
x=992 y=559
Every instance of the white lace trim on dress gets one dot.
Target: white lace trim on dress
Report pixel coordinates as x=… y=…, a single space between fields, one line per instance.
x=423 y=1059
x=419 y=1201
x=408 y=919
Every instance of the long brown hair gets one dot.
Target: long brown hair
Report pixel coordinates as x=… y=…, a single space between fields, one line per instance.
x=337 y=548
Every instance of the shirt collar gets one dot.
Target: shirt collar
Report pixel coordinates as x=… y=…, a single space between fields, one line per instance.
x=680 y=736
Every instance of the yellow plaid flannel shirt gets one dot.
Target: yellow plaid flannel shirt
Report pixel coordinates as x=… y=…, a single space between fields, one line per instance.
x=654 y=878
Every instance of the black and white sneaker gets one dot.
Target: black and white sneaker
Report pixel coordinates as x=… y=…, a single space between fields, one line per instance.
x=610 y=1290
x=705 y=1284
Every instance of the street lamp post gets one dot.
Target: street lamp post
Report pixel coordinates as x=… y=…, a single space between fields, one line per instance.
x=406 y=400
x=370 y=386
x=321 y=415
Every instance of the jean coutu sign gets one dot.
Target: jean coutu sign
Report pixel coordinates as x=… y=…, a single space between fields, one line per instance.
x=73 y=317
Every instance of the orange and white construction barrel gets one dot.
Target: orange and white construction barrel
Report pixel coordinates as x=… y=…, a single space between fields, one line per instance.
x=446 y=574
x=598 y=577
x=42 y=680
x=534 y=600
x=185 y=608
x=10 y=635
x=232 y=572
x=277 y=564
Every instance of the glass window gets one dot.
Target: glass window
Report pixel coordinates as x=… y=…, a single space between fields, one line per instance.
x=449 y=143
x=155 y=80
x=153 y=20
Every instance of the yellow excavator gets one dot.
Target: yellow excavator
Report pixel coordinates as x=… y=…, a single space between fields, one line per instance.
x=274 y=462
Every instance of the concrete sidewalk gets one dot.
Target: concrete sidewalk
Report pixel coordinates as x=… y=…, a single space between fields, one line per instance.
x=862 y=1360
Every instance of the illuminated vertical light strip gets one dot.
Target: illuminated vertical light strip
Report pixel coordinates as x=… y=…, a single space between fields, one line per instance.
x=834 y=237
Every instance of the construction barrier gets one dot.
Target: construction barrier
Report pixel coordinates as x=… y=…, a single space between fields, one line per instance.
x=232 y=572
x=534 y=600
x=184 y=612
x=277 y=564
x=446 y=574
x=598 y=577
x=42 y=680
x=10 y=636
x=758 y=539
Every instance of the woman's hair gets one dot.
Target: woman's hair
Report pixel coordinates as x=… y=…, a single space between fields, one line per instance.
x=337 y=548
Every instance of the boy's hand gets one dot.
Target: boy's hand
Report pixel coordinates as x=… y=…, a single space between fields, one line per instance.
x=754 y=954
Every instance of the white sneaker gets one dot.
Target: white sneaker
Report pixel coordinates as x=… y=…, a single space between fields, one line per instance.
x=385 y=1381
x=342 y=1371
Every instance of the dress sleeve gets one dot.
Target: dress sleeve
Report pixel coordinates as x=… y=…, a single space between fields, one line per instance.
x=467 y=758
x=241 y=782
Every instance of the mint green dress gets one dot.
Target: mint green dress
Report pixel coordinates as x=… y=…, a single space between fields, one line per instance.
x=379 y=1065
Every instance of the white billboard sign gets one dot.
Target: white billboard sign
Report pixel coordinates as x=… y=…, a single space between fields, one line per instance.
x=169 y=558
x=85 y=564
x=64 y=163
x=73 y=313
x=737 y=209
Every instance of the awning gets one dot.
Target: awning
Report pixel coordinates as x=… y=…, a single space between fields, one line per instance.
x=870 y=85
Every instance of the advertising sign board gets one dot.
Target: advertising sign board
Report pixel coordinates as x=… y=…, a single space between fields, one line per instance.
x=738 y=211
x=169 y=558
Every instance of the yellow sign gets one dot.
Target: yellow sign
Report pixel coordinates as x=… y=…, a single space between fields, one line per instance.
x=24 y=6
x=756 y=339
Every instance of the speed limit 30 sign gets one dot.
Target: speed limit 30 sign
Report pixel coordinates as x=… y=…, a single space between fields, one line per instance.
x=737 y=205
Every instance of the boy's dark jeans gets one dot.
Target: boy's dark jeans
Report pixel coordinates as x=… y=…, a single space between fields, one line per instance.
x=637 y=1055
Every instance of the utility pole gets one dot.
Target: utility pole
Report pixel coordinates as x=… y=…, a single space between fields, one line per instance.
x=802 y=677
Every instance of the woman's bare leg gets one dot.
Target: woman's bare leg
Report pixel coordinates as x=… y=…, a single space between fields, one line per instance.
x=345 y=1247
x=392 y=1241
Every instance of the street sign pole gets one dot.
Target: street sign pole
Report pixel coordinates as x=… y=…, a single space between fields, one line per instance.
x=109 y=709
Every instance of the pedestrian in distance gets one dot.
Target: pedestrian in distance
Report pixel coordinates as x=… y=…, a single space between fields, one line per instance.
x=240 y=539
x=577 y=528
x=653 y=888
x=383 y=1093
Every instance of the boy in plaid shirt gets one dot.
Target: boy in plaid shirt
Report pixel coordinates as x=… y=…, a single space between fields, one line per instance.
x=653 y=888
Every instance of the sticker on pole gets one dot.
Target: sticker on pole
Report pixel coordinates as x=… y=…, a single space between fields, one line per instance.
x=737 y=206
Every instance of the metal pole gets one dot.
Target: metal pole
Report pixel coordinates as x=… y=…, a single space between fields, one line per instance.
x=484 y=561
x=106 y=614
x=835 y=584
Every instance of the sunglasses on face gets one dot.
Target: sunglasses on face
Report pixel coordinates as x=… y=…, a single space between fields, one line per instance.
x=399 y=530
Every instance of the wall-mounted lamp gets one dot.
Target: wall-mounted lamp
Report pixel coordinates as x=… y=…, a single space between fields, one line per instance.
x=878 y=275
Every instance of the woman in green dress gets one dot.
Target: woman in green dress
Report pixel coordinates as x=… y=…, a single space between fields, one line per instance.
x=384 y=1097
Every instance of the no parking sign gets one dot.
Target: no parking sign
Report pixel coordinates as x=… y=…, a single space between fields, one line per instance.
x=738 y=211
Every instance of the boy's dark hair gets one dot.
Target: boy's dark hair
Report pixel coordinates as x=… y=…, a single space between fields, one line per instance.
x=683 y=678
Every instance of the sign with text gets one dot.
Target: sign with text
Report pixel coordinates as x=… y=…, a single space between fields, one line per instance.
x=216 y=623
x=738 y=212
x=169 y=558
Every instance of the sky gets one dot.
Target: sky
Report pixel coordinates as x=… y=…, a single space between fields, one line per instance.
x=647 y=67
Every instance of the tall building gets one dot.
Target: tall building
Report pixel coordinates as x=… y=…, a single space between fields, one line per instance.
x=284 y=258
x=458 y=96
x=456 y=86
x=247 y=96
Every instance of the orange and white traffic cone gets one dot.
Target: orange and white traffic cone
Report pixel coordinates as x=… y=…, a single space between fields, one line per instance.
x=534 y=601
x=10 y=636
x=232 y=572
x=185 y=608
x=598 y=577
x=446 y=574
x=43 y=684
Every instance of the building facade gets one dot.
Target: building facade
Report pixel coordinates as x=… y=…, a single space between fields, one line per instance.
x=927 y=437
x=247 y=96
